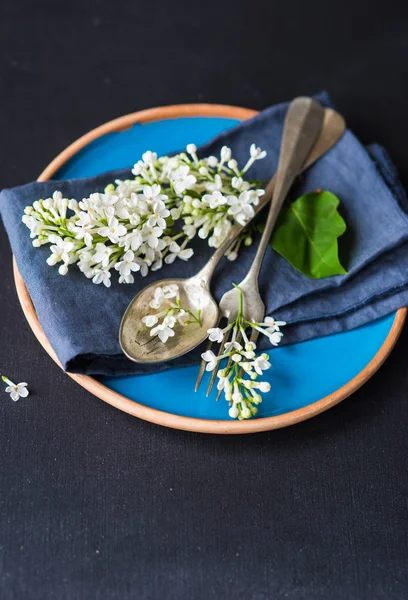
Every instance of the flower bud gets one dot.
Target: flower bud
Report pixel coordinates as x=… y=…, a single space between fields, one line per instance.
x=63 y=270
x=248 y=241
x=73 y=204
x=225 y=153
x=257 y=397
x=233 y=412
x=246 y=413
x=236 y=397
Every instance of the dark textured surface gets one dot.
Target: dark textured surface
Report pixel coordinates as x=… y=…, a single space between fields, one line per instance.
x=97 y=505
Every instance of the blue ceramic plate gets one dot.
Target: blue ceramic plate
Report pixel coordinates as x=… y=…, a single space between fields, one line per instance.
x=302 y=374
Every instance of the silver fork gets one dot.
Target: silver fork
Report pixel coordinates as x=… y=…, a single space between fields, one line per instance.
x=301 y=128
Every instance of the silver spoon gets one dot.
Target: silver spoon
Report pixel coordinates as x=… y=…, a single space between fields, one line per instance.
x=134 y=337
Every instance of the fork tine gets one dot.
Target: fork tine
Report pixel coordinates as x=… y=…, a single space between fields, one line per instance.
x=254 y=336
x=203 y=363
x=237 y=339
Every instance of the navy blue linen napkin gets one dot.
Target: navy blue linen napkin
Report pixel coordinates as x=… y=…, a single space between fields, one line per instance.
x=81 y=320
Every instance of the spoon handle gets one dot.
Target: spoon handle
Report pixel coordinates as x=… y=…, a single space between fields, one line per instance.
x=332 y=129
x=302 y=126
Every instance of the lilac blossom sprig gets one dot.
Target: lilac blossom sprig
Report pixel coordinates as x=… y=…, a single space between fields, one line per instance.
x=238 y=379
x=137 y=225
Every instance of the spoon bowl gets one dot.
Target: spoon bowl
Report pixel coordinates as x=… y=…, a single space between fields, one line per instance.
x=135 y=338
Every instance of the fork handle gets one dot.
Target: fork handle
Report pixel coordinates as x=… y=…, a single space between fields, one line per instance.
x=301 y=128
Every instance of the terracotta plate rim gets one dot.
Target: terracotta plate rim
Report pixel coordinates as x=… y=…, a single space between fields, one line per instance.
x=160 y=417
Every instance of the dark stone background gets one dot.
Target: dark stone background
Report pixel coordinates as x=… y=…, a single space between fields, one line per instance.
x=98 y=505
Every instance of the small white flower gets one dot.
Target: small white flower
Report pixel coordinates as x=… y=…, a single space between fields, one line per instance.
x=127 y=264
x=256 y=153
x=272 y=324
x=177 y=252
x=102 y=255
x=133 y=240
x=214 y=186
x=264 y=387
x=144 y=268
x=215 y=334
x=102 y=276
x=229 y=346
x=149 y=158
x=225 y=154
x=16 y=391
x=191 y=148
x=114 y=230
x=182 y=180
x=138 y=168
x=223 y=383
x=157 y=264
x=165 y=329
x=150 y=320
x=170 y=291
x=241 y=207
x=152 y=193
x=160 y=213
x=215 y=199
x=126 y=278
x=210 y=359
x=34 y=226
x=105 y=202
x=236 y=357
x=158 y=298
x=60 y=250
x=151 y=236
x=261 y=364
x=275 y=337
x=83 y=228
x=239 y=184
x=169 y=321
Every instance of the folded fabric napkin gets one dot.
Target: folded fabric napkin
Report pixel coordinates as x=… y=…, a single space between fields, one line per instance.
x=81 y=320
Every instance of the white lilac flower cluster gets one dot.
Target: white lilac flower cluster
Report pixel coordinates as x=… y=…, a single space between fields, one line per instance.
x=166 y=301
x=238 y=380
x=136 y=225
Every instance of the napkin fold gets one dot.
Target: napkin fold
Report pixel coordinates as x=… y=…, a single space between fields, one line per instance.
x=81 y=320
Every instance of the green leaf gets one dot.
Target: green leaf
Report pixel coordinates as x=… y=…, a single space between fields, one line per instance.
x=306 y=235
